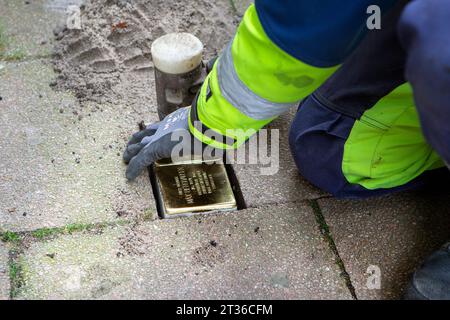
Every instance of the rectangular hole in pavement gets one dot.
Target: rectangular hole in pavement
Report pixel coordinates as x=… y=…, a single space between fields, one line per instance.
x=175 y=189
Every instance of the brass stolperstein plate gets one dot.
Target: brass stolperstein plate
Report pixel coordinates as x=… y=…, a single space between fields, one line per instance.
x=188 y=188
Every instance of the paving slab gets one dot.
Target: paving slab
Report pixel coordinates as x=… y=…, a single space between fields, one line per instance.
x=392 y=233
x=29 y=25
x=274 y=252
x=284 y=185
x=60 y=163
x=4 y=276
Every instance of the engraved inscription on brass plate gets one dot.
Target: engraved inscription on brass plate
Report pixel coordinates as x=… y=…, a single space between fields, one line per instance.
x=193 y=187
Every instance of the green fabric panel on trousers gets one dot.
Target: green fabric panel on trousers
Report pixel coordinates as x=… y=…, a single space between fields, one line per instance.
x=386 y=147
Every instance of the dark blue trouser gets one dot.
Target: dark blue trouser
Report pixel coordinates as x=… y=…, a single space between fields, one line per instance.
x=317 y=139
x=424 y=31
x=325 y=119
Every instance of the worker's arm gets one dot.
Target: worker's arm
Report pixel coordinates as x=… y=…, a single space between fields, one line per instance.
x=282 y=51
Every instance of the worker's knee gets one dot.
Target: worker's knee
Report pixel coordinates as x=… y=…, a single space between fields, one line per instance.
x=317 y=137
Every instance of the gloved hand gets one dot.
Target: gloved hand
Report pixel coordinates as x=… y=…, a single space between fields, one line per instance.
x=155 y=142
x=159 y=140
x=169 y=138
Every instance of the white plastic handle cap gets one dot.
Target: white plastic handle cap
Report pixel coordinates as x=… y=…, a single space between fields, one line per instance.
x=177 y=53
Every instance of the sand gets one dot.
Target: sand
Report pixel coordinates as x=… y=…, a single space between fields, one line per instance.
x=109 y=60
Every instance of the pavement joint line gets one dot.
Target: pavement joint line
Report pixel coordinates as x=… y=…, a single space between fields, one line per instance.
x=31 y=58
x=15 y=54
x=325 y=231
x=20 y=240
x=46 y=233
x=36 y=57
x=15 y=271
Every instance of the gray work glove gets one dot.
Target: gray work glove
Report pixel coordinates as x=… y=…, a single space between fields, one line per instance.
x=155 y=142
x=159 y=140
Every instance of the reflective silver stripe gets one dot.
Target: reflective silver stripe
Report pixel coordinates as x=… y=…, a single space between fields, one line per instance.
x=240 y=96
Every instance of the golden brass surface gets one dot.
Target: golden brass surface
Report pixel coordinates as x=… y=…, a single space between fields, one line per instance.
x=193 y=187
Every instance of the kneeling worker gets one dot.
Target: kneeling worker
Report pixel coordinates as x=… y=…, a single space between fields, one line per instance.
x=373 y=105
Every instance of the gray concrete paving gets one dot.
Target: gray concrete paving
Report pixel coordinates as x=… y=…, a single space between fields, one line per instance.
x=273 y=252
x=29 y=26
x=394 y=233
x=286 y=185
x=60 y=163
x=4 y=275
